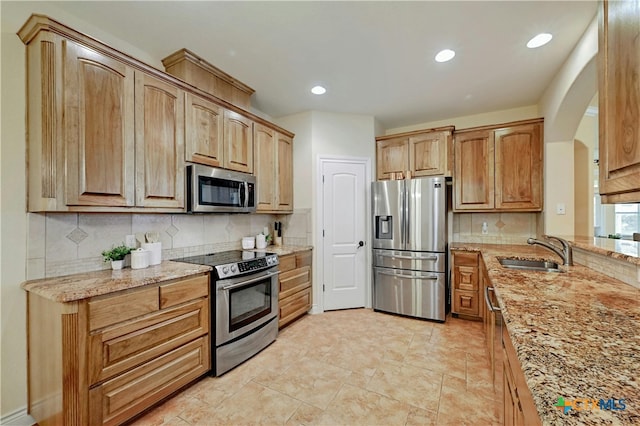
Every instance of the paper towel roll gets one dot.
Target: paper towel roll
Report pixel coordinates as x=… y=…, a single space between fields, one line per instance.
x=261 y=241
x=139 y=259
x=155 y=252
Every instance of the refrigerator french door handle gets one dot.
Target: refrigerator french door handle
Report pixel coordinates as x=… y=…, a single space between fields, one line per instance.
x=403 y=216
x=412 y=277
x=407 y=212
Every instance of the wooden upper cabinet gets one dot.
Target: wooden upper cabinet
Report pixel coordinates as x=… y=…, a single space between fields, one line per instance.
x=99 y=129
x=217 y=137
x=392 y=156
x=108 y=133
x=204 y=133
x=238 y=142
x=473 y=176
x=285 y=173
x=428 y=154
x=159 y=143
x=419 y=153
x=273 y=170
x=518 y=167
x=499 y=168
x=264 y=144
x=619 y=99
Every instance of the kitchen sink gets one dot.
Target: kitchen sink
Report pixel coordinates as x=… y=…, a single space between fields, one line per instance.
x=530 y=265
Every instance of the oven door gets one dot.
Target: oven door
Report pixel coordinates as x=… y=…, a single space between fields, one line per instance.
x=244 y=303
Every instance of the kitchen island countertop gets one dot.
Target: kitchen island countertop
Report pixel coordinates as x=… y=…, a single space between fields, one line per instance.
x=576 y=334
x=69 y=288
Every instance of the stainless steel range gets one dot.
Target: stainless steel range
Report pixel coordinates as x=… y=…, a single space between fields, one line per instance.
x=244 y=305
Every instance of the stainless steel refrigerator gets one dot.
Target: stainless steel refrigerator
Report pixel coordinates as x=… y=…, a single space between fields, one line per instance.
x=410 y=247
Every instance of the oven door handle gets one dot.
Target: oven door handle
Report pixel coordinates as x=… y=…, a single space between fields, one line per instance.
x=244 y=283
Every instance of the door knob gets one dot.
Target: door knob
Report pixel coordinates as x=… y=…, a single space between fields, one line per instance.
x=360 y=244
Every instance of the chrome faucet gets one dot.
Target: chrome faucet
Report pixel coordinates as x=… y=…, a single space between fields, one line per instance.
x=565 y=252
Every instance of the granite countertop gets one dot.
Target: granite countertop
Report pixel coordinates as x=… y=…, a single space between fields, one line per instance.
x=577 y=334
x=626 y=250
x=284 y=250
x=70 y=288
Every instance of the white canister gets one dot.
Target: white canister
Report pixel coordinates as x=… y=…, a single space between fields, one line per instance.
x=261 y=241
x=248 y=243
x=139 y=259
x=155 y=252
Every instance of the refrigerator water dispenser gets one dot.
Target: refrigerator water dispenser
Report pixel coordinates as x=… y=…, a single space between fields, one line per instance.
x=384 y=227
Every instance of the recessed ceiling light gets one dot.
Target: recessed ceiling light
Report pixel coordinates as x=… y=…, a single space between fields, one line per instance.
x=539 y=40
x=445 y=55
x=318 y=90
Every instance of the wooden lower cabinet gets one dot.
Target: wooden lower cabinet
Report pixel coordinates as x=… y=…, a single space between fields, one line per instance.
x=519 y=408
x=465 y=288
x=294 y=298
x=106 y=359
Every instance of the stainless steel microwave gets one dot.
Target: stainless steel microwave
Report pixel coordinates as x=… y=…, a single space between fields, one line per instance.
x=212 y=190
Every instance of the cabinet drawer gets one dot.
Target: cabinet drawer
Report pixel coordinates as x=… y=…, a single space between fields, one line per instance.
x=121 y=347
x=293 y=281
x=466 y=278
x=465 y=302
x=303 y=259
x=287 y=263
x=294 y=306
x=184 y=290
x=465 y=258
x=119 y=399
x=108 y=310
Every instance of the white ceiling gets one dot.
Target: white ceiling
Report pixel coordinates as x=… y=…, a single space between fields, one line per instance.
x=375 y=58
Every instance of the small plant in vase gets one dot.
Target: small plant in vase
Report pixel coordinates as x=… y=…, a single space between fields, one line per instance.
x=116 y=255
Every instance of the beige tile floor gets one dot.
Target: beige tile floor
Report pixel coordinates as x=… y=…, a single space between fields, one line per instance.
x=352 y=367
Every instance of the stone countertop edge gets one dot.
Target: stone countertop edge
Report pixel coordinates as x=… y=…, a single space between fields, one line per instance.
x=575 y=334
x=613 y=248
x=283 y=250
x=70 y=288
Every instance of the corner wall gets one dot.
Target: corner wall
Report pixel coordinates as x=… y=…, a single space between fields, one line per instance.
x=563 y=105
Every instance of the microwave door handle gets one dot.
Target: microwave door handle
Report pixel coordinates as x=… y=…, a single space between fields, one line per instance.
x=243 y=194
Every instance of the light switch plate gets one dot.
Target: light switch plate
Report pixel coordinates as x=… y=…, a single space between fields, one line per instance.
x=560 y=208
x=130 y=241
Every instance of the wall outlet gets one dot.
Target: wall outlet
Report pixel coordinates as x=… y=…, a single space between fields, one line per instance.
x=560 y=208
x=485 y=228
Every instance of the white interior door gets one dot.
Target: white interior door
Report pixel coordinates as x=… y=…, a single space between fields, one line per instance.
x=344 y=229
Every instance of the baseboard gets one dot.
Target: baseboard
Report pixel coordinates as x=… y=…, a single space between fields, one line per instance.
x=20 y=417
x=316 y=309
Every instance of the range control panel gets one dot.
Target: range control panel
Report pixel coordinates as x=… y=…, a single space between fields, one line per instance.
x=245 y=266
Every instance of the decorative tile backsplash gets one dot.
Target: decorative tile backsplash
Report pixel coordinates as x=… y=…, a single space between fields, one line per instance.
x=68 y=243
x=502 y=228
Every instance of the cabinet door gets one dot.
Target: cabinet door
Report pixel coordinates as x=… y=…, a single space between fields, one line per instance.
x=204 y=131
x=392 y=156
x=264 y=141
x=428 y=154
x=518 y=168
x=473 y=171
x=159 y=143
x=285 y=173
x=99 y=129
x=466 y=303
x=238 y=142
x=619 y=95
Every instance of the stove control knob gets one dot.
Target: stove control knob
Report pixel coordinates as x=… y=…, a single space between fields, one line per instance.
x=225 y=270
x=233 y=268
